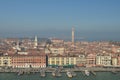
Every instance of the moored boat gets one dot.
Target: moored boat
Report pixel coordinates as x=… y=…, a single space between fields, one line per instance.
x=69 y=74
x=42 y=73
x=56 y=74
x=87 y=73
x=53 y=74
x=20 y=73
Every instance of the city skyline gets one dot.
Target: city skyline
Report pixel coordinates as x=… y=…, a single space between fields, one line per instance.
x=93 y=20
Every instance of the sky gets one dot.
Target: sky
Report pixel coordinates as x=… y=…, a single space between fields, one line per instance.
x=92 y=19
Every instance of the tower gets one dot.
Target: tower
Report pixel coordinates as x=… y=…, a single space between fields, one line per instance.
x=35 y=42
x=72 y=35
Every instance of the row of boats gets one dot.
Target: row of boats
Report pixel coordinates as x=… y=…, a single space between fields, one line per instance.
x=57 y=73
x=70 y=74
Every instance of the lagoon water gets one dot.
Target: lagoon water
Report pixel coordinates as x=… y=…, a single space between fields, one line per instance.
x=79 y=76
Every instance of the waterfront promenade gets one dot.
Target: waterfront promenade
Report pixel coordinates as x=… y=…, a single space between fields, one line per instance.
x=33 y=70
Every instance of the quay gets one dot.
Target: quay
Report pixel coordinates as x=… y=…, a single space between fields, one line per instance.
x=37 y=70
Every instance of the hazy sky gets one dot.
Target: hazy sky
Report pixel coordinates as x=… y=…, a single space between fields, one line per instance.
x=98 y=19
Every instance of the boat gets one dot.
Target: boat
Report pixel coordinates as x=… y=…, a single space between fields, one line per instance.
x=93 y=73
x=114 y=72
x=42 y=74
x=57 y=74
x=53 y=74
x=87 y=73
x=69 y=74
x=20 y=73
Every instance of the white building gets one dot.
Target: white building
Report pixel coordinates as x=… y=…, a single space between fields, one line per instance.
x=103 y=60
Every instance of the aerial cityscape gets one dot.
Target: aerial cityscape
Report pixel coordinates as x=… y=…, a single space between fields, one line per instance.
x=56 y=55
x=56 y=40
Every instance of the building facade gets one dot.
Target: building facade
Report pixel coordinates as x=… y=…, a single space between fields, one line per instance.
x=81 y=60
x=90 y=60
x=57 y=50
x=103 y=60
x=5 y=61
x=61 y=61
x=114 y=61
x=27 y=61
